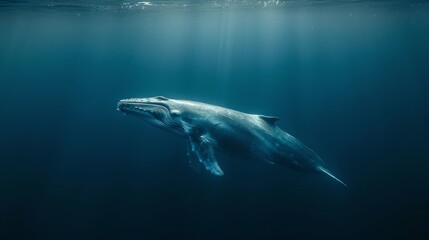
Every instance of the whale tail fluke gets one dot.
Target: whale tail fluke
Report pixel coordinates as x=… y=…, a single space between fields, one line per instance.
x=324 y=170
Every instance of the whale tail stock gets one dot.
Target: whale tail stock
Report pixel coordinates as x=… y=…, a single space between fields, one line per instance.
x=325 y=171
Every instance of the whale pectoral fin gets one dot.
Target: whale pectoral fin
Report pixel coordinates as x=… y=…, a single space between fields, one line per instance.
x=205 y=153
x=194 y=162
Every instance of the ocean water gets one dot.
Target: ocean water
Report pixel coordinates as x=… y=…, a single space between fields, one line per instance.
x=350 y=79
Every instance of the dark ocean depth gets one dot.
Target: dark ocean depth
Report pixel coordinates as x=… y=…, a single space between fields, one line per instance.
x=350 y=79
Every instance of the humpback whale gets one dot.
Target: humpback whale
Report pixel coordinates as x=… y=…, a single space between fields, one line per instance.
x=209 y=128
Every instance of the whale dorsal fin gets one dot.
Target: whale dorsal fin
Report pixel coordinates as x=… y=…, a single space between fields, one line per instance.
x=269 y=119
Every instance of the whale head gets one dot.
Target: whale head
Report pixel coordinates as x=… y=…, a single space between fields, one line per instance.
x=159 y=111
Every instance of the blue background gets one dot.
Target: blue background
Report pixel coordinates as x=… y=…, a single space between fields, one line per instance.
x=349 y=79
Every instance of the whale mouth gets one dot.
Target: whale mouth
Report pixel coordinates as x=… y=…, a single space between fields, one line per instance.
x=151 y=110
x=141 y=106
x=154 y=110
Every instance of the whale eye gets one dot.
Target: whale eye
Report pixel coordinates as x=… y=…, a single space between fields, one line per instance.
x=175 y=113
x=161 y=98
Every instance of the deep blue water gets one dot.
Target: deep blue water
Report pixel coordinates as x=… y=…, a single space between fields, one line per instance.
x=350 y=79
